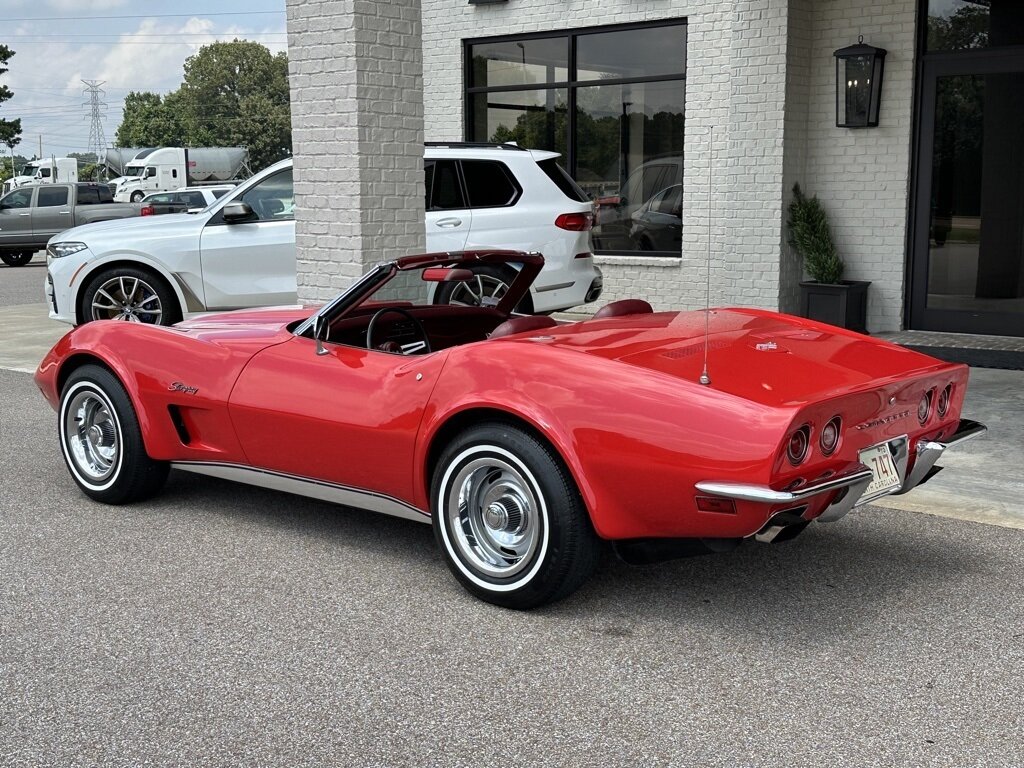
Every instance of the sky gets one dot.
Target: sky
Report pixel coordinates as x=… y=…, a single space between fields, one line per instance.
x=132 y=45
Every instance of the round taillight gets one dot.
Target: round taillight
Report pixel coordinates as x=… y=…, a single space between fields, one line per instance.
x=797 y=448
x=829 y=439
x=924 y=407
x=943 y=405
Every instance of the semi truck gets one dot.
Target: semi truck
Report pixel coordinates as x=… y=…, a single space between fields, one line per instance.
x=169 y=168
x=55 y=170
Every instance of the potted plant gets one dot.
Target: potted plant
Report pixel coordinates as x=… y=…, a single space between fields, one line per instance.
x=826 y=296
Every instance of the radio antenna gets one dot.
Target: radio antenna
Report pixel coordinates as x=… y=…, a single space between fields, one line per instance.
x=704 y=378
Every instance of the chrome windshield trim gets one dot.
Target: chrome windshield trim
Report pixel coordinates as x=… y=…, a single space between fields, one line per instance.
x=305 y=486
x=348 y=296
x=762 y=493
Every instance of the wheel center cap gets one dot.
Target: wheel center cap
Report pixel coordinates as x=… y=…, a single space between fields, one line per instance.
x=95 y=435
x=496 y=516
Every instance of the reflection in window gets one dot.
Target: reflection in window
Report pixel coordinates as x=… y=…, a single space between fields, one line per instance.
x=608 y=100
x=955 y=25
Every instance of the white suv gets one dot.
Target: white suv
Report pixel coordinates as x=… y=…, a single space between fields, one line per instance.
x=240 y=251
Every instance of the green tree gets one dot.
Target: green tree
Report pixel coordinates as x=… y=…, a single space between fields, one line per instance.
x=10 y=130
x=233 y=95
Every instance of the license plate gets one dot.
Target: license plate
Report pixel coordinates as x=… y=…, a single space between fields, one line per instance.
x=885 y=478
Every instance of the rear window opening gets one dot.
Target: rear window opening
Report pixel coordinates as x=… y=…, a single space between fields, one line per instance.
x=563 y=180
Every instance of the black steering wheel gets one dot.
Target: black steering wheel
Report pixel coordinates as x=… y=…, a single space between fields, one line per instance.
x=400 y=311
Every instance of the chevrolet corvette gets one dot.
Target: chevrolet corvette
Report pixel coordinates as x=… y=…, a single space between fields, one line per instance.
x=528 y=443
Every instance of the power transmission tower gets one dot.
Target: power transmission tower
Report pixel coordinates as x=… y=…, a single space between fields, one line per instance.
x=97 y=107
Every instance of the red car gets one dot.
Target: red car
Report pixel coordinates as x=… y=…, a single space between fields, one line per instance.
x=526 y=442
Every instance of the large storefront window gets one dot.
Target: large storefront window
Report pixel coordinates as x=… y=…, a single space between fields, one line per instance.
x=610 y=101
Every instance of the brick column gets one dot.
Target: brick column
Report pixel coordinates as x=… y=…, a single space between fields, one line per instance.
x=356 y=78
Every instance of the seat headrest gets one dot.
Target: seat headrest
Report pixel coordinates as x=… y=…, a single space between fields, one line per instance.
x=522 y=324
x=624 y=307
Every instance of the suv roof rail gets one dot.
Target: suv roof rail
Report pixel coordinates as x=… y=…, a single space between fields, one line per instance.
x=477 y=145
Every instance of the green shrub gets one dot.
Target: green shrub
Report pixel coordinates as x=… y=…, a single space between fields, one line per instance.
x=810 y=238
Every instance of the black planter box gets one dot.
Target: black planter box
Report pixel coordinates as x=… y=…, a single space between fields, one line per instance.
x=844 y=304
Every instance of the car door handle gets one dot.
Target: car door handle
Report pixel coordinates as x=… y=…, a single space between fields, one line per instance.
x=449 y=223
x=24 y=214
x=64 y=213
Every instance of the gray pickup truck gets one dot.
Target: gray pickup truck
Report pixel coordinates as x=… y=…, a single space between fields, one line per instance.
x=29 y=216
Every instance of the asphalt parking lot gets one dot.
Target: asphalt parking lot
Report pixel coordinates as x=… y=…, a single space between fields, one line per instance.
x=224 y=625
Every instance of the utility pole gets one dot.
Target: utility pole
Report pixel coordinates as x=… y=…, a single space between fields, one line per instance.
x=97 y=141
x=40 y=155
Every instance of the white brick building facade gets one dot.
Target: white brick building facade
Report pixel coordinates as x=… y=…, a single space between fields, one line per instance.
x=760 y=74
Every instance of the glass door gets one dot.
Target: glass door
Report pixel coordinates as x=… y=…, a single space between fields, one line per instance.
x=967 y=268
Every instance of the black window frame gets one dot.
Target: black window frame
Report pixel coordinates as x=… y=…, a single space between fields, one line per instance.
x=572 y=85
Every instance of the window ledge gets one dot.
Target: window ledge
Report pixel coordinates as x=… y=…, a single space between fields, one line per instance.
x=669 y=262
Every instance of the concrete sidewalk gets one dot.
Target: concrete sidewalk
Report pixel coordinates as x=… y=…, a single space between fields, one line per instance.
x=982 y=481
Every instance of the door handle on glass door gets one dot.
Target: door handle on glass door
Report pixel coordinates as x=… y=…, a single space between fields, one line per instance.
x=449 y=222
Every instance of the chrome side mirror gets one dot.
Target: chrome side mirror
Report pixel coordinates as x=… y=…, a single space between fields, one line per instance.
x=319 y=331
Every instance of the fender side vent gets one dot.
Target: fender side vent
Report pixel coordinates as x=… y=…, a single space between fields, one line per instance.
x=179 y=424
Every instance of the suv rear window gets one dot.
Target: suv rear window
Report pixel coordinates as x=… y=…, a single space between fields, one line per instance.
x=489 y=184
x=563 y=180
x=441 y=185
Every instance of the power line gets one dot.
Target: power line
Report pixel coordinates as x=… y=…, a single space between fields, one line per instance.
x=140 y=16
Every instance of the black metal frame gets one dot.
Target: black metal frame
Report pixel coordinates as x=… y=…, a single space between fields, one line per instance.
x=929 y=67
x=571 y=85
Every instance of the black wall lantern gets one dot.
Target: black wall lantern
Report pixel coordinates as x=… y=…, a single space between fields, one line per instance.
x=859 y=85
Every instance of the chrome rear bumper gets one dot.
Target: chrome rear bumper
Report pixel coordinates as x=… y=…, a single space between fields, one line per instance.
x=853 y=484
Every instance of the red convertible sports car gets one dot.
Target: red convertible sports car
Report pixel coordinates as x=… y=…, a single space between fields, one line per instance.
x=526 y=442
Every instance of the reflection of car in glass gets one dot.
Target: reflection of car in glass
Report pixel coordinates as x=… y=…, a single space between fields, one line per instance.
x=614 y=213
x=184 y=199
x=658 y=225
x=525 y=442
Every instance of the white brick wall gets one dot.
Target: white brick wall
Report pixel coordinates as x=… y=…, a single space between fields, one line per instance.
x=863 y=175
x=357 y=132
x=735 y=81
x=760 y=72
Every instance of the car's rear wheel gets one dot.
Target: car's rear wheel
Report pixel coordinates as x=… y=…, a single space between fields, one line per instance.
x=490 y=283
x=101 y=439
x=16 y=259
x=132 y=294
x=509 y=519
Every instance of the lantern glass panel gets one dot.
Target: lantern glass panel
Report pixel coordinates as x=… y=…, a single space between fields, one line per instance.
x=857 y=73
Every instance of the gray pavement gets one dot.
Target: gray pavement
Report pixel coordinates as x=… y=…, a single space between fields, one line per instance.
x=224 y=625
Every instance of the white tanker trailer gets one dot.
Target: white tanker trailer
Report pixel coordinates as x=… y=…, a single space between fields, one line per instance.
x=168 y=168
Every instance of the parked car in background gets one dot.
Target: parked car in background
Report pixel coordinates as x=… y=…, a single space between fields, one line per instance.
x=183 y=200
x=525 y=442
x=658 y=224
x=614 y=213
x=240 y=251
x=30 y=216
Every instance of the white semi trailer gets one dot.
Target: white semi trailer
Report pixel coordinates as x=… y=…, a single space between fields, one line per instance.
x=169 y=168
x=55 y=170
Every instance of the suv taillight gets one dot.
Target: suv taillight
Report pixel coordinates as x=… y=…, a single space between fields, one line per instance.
x=575 y=222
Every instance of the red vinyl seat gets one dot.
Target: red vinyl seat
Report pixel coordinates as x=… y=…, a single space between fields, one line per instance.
x=522 y=324
x=624 y=307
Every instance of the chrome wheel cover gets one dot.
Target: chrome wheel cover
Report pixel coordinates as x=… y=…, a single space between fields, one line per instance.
x=92 y=435
x=493 y=515
x=473 y=292
x=127 y=298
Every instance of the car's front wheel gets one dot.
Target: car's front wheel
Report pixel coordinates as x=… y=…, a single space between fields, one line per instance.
x=16 y=259
x=509 y=519
x=101 y=439
x=137 y=196
x=129 y=293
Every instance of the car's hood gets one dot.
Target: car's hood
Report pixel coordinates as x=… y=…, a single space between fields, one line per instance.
x=137 y=226
x=765 y=357
x=249 y=324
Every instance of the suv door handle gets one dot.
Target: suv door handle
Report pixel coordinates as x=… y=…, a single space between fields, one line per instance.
x=449 y=223
x=24 y=214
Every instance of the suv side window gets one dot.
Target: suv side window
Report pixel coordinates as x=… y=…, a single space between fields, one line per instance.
x=441 y=186
x=20 y=198
x=50 y=197
x=489 y=184
x=273 y=199
x=193 y=199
